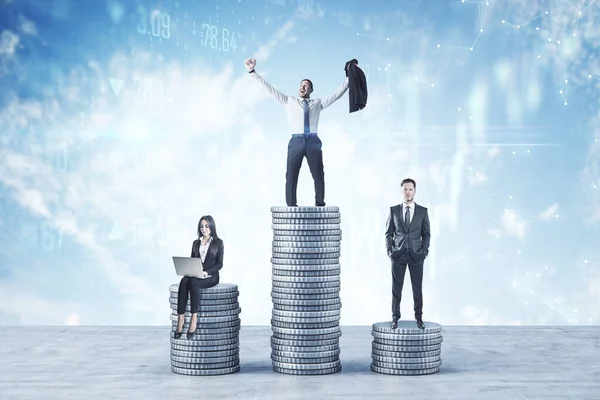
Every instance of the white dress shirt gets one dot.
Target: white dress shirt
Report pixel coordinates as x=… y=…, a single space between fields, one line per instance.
x=204 y=248
x=411 y=211
x=294 y=108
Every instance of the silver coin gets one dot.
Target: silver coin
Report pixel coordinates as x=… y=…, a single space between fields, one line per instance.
x=211 y=327
x=305 y=354
x=333 y=364
x=219 y=331
x=208 y=325
x=407 y=328
x=206 y=314
x=313 y=320
x=405 y=354
x=306 y=292
x=306 y=250
x=205 y=354
x=405 y=360
x=208 y=320
x=306 y=233
x=209 y=308
x=298 y=361
x=325 y=371
x=218 y=288
x=404 y=349
x=173 y=302
x=220 y=313
x=309 y=240
x=212 y=299
x=205 y=349
x=305 y=245
x=306 y=337
x=306 y=256
x=306 y=227
x=297 y=325
x=212 y=344
x=305 y=261
x=286 y=296
x=306 y=268
x=299 y=341
x=205 y=337
x=306 y=314
x=305 y=279
x=431 y=365
x=204 y=366
x=327 y=272
x=318 y=302
x=305 y=209
x=282 y=350
x=307 y=332
x=305 y=285
x=389 y=371
x=306 y=215
x=405 y=337
x=200 y=360
x=415 y=343
x=307 y=221
x=231 y=302
x=283 y=307
x=205 y=372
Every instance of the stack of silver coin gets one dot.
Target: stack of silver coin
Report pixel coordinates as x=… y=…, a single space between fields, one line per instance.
x=406 y=350
x=306 y=290
x=215 y=348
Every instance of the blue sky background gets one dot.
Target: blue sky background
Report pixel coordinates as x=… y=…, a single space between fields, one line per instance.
x=118 y=135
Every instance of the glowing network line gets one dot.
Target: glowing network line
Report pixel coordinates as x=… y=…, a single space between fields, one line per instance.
x=482 y=16
x=564 y=90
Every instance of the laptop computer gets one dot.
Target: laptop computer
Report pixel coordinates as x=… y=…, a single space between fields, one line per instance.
x=189 y=266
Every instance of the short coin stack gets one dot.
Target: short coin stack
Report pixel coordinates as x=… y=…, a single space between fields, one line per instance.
x=406 y=350
x=215 y=348
x=306 y=290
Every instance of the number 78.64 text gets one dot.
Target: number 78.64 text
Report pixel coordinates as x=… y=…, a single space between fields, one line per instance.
x=219 y=39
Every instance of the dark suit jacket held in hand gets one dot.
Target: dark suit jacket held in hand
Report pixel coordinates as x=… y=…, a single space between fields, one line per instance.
x=213 y=261
x=357 y=86
x=416 y=239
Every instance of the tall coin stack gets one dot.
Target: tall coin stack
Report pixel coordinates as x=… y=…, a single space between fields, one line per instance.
x=406 y=350
x=215 y=348
x=306 y=290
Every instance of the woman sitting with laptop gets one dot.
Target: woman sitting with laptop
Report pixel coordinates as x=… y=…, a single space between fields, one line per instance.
x=209 y=248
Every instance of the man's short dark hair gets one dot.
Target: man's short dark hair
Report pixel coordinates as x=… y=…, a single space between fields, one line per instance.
x=408 y=180
x=309 y=82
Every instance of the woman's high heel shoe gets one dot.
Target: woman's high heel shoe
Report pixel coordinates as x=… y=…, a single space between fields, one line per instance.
x=177 y=335
x=191 y=334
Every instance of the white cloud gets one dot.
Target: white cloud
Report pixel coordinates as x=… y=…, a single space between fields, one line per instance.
x=28 y=27
x=549 y=212
x=8 y=43
x=264 y=51
x=513 y=224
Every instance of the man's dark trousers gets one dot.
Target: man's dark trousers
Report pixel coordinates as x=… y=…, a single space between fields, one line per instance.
x=400 y=260
x=302 y=145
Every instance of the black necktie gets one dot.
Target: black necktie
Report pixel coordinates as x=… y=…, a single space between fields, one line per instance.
x=306 y=121
x=407 y=217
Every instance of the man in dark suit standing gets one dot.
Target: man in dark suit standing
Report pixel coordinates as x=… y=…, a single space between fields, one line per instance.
x=407 y=238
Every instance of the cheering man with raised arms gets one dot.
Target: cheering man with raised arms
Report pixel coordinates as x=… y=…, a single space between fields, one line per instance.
x=303 y=117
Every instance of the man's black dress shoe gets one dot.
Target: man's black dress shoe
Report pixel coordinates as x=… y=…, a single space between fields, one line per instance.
x=394 y=323
x=420 y=324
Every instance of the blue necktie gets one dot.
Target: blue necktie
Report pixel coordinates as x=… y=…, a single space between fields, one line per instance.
x=407 y=218
x=306 y=121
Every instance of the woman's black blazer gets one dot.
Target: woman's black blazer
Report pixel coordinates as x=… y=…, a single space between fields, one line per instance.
x=213 y=261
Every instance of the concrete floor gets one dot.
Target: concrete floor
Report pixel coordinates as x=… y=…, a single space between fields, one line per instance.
x=133 y=363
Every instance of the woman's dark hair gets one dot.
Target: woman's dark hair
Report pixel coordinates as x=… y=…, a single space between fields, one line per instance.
x=213 y=231
x=211 y=225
